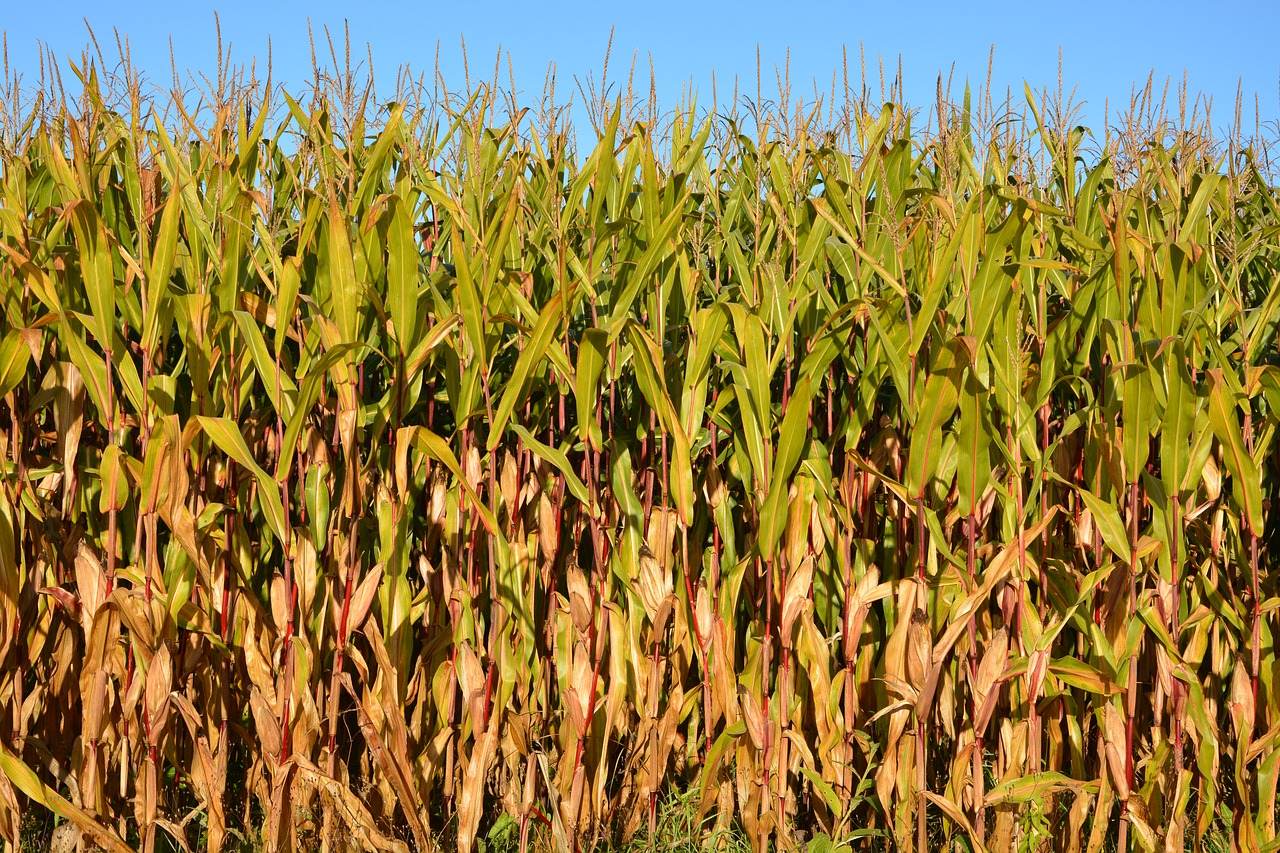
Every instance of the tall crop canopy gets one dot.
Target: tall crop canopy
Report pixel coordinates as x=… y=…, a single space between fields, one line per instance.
x=378 y=477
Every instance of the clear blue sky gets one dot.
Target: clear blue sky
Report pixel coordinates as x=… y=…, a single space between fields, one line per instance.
x=1108 y=45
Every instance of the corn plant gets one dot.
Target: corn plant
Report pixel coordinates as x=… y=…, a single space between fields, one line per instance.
x=376 y=473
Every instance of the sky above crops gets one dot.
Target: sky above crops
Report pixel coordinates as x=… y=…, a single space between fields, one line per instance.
x=1108 y=46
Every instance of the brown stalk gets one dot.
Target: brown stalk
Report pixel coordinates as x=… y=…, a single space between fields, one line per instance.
x=291 y=592
x=111 y=438
x=922 y=724
x=339 y=655
x=1255 y=641
x=1131 y=685
x=979 y=780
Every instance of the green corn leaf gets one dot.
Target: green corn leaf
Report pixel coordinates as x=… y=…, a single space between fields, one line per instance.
x=226 y=434
x=157 y=468
x=1077 y=673
x=160 y=271
x=938 y=403
x=709 y=328
x=289 y=284
x=559 y=460
x=1138 y=410
x=279 y=386
x=974 y=443
x=1107 y=518
x=14 y=358
x=1176 y=430
x=316 y=491
x=343 y=290
x=374 y=165
x=1244 y=473
x=402 y=275
x=591 y=359
x=1034 y=786
x=96 y=269
x=549 y=322
x=92 y=367
x=115 y=480
x=308 y=393
x=438 y=449
x=469 y=301
x=234 y=251
x=659 y=248
x=791 y=438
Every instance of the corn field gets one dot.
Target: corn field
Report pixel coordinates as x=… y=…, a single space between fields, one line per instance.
x=375 y=474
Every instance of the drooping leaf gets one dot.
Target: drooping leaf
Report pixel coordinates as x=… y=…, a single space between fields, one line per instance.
x=226 y=434
x=14 y=357
x=1244 y=473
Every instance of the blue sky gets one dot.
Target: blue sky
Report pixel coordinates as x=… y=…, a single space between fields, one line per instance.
x=1107 y=46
